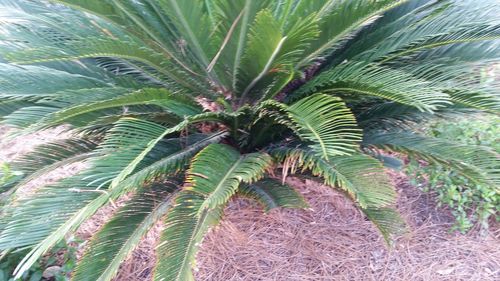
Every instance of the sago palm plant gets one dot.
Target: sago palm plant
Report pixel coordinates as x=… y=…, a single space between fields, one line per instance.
x=183 y=104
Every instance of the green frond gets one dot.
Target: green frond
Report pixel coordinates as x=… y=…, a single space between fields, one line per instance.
x=46 y=158
x=361 y=177
x=389 y=114
x=272 y=52
x=480 y=164
x=475 y=98
x=423 y=26
x=190 y=19
x=117 y=238
x=44 y=230
x=177 y=104
x=388 y=221
x=24 y=81
x=91 y=48
x=170 y=158
x=226 y=15
x=340 y=21
x=321 y=119
x=378 y=81
x=158 y=24
x=217 y=171
x=122 y=135
x=466 y=35
x=62 y=199
x=9 y=105
x=185 y=226
x=47 y=105
x=271 y=194
x=44 y=35
x=264 y=45
x=145 y=21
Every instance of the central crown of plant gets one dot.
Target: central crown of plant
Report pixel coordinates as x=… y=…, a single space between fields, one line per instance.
x=185 y=103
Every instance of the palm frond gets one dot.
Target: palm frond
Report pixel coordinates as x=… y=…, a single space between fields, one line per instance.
x=340 y=21
x=218 y=92
x=272 y=51
x=466 y=35
x=321 y=119
x=422 y=26
x=217 y=171
x=117 y=238
x=170 y=158
x=476 y=98
x=378 y=81
x=46 y=158
x=265 y=44
x=271 y=194
x=480 y=164
x=43 y=35
x=24 y=81
x=388 y=221
x=186 y=225
x=177 y=104
x=362 y=177
x=226 y=15
x=191 y=19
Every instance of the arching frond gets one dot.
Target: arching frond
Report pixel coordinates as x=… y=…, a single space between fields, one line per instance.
x=43 y=35
x=186 y=224
x=170 y=158
x=191 y=19
x=180 y=105
x=272 y=52
x=424 y=26
x=340 y=21
x=466 y=35
x=46 y=158
x=480 y=164
x=24 y=81
x=321 y=119
x=232 y=45
x=217 y=171
x=388 y=221
x=117 y=239
x=143 y=20
x=374 y=80
x=69 y=202
x=361 y=176
x=475 y=98
x=271 y=194
x=217 y=92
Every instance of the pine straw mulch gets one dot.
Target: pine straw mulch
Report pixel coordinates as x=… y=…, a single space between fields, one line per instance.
x=332 y=241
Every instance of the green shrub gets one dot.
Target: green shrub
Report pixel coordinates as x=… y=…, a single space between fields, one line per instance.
x=470 y=203
x=62 y=257
x=186 y=103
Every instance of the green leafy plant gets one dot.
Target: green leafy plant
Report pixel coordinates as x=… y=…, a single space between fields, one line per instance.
x=61 y=261
x=186 y=104
x=469 y=202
